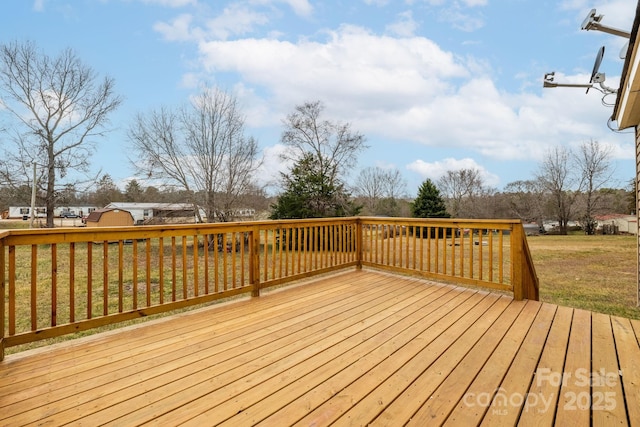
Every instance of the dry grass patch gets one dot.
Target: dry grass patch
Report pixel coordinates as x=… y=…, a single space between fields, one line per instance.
x=596 y=273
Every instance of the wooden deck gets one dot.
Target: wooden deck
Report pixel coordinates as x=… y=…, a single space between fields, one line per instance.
x=355 y=348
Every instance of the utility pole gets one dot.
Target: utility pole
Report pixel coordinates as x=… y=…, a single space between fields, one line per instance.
x=33 y=196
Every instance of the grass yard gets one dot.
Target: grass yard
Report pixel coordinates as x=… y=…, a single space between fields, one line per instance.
x=595 y=273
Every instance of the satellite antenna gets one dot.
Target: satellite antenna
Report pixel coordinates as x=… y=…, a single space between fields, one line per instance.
x=596 y=77
x=592 y=22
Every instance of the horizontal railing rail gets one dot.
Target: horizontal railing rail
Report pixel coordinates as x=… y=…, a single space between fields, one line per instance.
x=64 y=280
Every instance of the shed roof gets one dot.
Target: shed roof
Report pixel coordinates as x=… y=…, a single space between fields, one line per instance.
x=97 y=214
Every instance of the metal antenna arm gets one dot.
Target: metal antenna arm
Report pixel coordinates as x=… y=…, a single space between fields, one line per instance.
x=592 y=22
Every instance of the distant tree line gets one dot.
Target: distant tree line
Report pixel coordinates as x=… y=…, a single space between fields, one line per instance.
x=199 y=153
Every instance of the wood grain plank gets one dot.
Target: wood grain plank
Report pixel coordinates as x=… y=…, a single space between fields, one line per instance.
x=628 y=357
x=540 y=408
x=606 y=383
x=309 y=391
x=274 y=362
x=391 y=386
x=575 y=394
x=469 y=410
x=220 y=335
x=185 y=376
x=406 y=407
x=442 y=401
x=502 y=410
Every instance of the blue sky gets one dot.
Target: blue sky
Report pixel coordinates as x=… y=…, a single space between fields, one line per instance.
x=434 y=85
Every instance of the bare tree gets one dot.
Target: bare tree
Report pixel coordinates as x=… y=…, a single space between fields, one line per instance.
x=526 y=200
x=459 y=186
x=594 y=162
x=60 y=107
x=202 y=149
x=380 y=189
x=333 y=144
x=556 y=178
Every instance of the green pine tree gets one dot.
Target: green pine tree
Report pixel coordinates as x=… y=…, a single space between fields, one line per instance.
x=429 y=203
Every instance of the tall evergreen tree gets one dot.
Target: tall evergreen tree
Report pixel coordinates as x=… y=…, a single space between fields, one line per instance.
x=429 y=203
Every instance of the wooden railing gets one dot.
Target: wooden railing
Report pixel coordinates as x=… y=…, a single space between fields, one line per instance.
x=65 y=280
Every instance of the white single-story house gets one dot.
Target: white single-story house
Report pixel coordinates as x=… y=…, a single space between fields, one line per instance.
x=158 y=213
x=41 y=211
x=620 y=222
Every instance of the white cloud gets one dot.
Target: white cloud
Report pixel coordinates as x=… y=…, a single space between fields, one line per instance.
x=376 y=2
x=435 y=170
x=235 y=20
x=179 y=29
x=171 y=3
x=406 y=89
x=404 y=25
x=352 y=65
x=300 y=7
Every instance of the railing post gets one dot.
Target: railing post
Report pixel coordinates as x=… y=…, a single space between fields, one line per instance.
x=254 y=262
x=517 y=257
x=2 y=298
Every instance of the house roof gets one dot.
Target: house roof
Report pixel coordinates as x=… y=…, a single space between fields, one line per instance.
x=156 y=206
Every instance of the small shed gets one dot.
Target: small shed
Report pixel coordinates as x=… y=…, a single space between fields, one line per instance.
x=109 y=217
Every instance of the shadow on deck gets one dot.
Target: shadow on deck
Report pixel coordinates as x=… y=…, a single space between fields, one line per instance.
x=354 y=348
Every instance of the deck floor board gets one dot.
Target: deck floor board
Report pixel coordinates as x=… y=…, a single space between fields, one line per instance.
x=353 y=348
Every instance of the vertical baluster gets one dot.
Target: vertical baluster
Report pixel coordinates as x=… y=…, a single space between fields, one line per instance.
x=54 y=284
x=444 y=250
x=429 y=248
x=196 y=281
x=205 y=244
x=72 y=282
x=234 y=254
x=185 y=292
x=161 y=269
x=437 y=249
x=501 y=256
x=147 y=264
x=461 y=242
x=134 y=289
x=480 y=258
x=216 y=262
x=120 y=276
x=12 y=290
x=421 y=240
x=282 y=241
x=174 y=267
x=491 y=256
x=471 y=253
x=89 y=278
x=265 y=255
x=243 y=251
x=453 y=251
x=105 y=279
x=34 y=287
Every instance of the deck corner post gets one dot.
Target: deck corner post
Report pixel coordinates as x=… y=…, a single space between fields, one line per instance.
x=254 y=260
x=517 y=259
